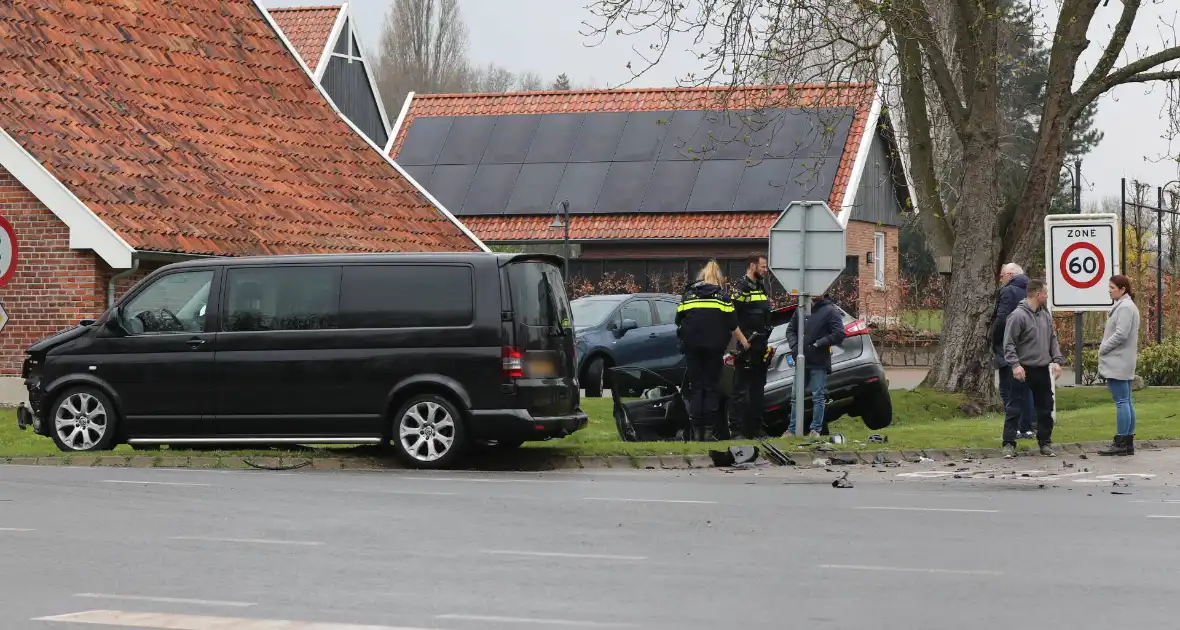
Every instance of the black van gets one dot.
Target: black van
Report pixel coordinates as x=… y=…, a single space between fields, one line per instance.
x=429 y=352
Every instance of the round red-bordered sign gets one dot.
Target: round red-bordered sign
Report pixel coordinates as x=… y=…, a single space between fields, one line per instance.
x=8 y=251
x=1099 y=273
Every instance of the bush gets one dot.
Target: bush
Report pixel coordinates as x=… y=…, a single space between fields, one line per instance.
x=1158 y=365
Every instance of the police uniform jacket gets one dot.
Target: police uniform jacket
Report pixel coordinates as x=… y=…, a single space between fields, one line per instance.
x=705 y=317
x=752 y=306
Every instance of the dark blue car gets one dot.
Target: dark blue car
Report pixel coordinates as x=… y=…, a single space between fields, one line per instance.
x=633 y=330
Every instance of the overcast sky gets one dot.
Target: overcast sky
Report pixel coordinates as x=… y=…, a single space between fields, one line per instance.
x=544 y=36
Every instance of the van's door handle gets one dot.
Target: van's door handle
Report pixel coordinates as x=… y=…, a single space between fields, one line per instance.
x=195 y=343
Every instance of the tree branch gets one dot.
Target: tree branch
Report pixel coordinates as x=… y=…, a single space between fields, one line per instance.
x=1118 y=41
x=1147 y=77
x=922 y=28
x=1131 y=73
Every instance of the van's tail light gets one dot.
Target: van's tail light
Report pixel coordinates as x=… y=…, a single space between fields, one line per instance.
x=511 y=362
x=858 y=327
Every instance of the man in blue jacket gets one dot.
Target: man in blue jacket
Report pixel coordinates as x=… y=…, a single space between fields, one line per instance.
x=822 y=330
x=1013 y=289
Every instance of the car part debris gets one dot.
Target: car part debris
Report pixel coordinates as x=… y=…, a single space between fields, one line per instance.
x=877 y=438
x=844 y=459
x=836 y=438
x=842 y=481
x=775 y=455
x=734 y=455
x=302 y=464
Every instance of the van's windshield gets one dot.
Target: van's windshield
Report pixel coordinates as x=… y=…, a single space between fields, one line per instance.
x=538 y=294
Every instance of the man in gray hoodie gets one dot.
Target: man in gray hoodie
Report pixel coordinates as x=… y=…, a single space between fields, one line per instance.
x=1032 y=351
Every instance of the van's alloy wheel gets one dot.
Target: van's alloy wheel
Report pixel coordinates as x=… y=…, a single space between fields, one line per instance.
x=81 y=421
x=427 y=431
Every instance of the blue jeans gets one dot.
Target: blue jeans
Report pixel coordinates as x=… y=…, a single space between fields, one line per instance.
x=816 y=381
x=1124 y=409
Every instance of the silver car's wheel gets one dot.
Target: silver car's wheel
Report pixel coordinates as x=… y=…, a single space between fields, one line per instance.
x=428 y=432
x=83 y=421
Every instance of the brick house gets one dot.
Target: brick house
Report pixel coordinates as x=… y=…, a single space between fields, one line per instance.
x=137 y=134
x=660 y=180
x=325 y=39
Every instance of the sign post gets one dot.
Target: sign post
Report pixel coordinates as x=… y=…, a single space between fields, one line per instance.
x=807 y=254
x=1080 y=257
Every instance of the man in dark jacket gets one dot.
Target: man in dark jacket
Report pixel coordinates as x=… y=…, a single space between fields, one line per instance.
x=823 y=329
x=1013 y=288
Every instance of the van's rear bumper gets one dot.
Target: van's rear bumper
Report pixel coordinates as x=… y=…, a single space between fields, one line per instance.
x=519 y=424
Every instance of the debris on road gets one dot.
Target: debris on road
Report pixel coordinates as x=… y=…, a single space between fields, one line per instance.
x=842 y=481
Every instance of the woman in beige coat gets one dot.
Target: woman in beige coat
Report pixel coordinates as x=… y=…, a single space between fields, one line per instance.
x=1117 y=357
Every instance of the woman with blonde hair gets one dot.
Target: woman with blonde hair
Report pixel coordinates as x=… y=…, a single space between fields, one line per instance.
x=1117 y=358
x=705 y=323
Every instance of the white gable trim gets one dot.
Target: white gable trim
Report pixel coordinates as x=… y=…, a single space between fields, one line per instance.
x=326 y=53
x=87 y=231
x=862 y=159
x=401 y=120
x=446 y=213
x=903 y=158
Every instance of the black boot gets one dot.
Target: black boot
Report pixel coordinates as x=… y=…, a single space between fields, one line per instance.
x=1117 y=447
x=1130 y=443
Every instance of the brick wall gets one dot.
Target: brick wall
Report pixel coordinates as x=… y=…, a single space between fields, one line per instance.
x=876 y=302
x=53 y=287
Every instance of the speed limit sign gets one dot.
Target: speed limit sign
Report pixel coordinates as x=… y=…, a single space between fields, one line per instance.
x=1080 y=252
x=8 y=251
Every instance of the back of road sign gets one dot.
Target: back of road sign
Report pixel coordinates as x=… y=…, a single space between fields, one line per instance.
x=807 y=248
x=1081 y=255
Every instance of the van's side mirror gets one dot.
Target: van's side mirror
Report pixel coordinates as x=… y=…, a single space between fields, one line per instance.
x=625 y=325
x=114 y=323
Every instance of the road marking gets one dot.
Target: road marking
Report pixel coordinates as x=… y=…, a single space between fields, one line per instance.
x=1155 y=501
x=166 y=600
x=1163 y=516
x=155 y=483
x=647 y=500
x=921 y=509
x=485 y=480
x=255 y=541
x=547 y=622
x=554 y=554
x=859 y=567
x=167 y=621
x=16 y=529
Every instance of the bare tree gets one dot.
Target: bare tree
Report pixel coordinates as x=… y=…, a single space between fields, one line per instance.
x=936 y=62
x=492 y=78
x=423 y=49
x=529 y=82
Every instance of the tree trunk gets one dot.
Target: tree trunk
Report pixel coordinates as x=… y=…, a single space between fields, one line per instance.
x=964 y=360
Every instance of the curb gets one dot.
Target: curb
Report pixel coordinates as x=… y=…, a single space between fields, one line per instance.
x=803 y=459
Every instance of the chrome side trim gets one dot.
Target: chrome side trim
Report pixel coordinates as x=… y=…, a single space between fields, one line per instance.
x=257 y=440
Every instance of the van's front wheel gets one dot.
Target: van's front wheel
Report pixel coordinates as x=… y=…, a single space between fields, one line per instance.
x=83 y=420
x=428 y=432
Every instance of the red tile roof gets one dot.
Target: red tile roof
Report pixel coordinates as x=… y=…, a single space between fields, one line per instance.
x=308 y=29
x=187 y=126
x=734 y=225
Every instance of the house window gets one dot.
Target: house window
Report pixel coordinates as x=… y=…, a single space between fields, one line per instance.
x=879 y=259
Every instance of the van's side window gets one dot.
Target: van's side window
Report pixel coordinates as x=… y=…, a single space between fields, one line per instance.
x=292 y=297
x=174 y=303
x=406 y=296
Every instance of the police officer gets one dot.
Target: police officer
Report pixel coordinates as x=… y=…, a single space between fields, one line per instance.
x=705 y=324
x=753 y=314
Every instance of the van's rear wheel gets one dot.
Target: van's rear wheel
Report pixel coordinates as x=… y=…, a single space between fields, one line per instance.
x=428 y=432
x=83 y=419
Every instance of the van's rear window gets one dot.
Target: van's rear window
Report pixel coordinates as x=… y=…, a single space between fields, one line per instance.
x=538 y=294
x=406 y=296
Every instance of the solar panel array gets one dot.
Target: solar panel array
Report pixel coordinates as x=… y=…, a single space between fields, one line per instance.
x=620 y=162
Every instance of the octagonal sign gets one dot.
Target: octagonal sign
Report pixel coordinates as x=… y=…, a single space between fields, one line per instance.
x=807 y=248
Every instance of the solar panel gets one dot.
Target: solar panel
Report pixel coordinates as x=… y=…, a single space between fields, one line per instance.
x=684 y=125
x=421 y=173
x=763 y=186
x=490 y=191
x=625 y=184
x=810 y=132
x=670 y=186
x=599 y=137
x=535 y=188
x=716 y=185
x=811 y=179
x=555 y=137
x=642 y=136
x=732 y=132
x=449 y=185
x=510 y=139
x=581 y=184
x=467 y=140
x=424 y=141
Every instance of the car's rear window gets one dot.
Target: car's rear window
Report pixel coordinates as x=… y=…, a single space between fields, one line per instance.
x=538 y=294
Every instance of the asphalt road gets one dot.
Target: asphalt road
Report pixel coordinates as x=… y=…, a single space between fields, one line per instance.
x=1032 y=544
